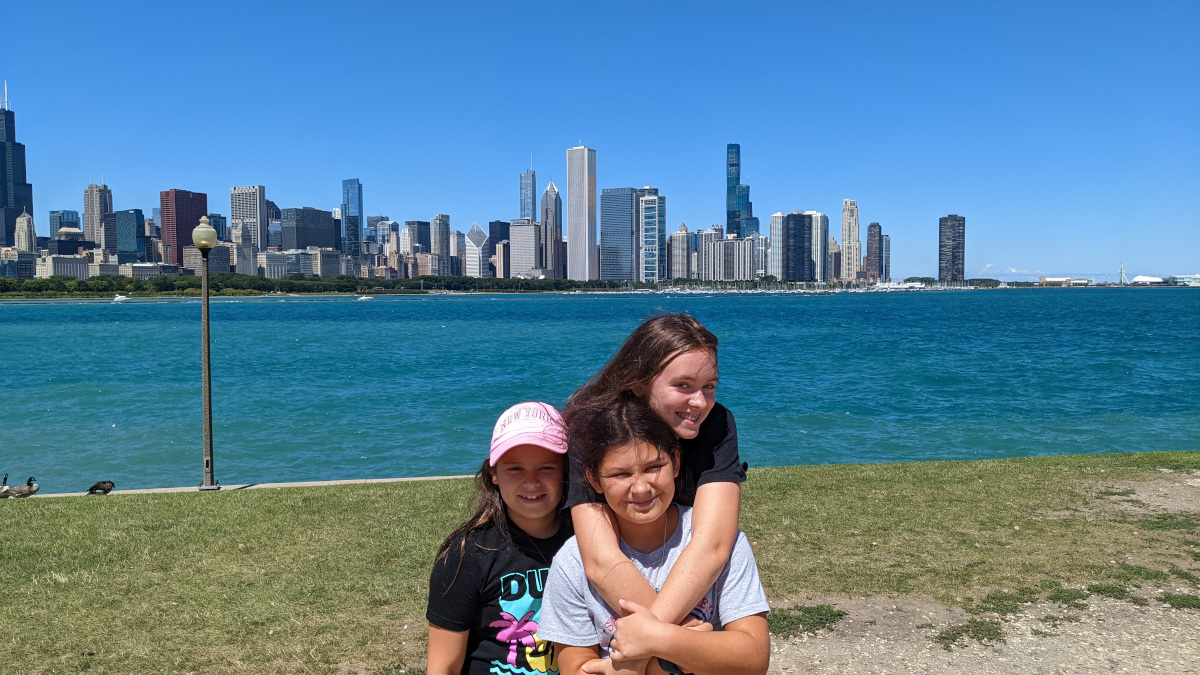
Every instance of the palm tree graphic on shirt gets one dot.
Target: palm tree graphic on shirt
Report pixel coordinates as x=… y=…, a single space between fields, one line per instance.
x=516 y=632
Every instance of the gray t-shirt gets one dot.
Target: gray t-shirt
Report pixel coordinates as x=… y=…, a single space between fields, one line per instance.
x=573 y=613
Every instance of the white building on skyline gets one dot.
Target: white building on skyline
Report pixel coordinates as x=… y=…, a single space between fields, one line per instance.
x=583 y=252
x=525 y=245
x=475 y=253
x=851 y=248
x=249 y=204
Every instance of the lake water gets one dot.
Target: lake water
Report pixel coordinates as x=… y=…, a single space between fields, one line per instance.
x=410 y=386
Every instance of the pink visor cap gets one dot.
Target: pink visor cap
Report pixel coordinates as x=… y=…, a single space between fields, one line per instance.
x=528 y=424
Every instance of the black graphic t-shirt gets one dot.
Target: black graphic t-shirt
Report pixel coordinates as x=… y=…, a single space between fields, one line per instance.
x=710 y=457
x=497 y=597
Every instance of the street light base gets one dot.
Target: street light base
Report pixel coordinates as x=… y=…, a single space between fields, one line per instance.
x=205 y=488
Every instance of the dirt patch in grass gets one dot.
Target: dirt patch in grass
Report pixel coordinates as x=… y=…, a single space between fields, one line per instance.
x=1169 y=491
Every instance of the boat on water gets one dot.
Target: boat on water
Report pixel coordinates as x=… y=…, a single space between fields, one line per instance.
x=120 y=298
x=365 y=297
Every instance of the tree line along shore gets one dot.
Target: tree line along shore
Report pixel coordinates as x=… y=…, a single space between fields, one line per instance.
x=334 y=578
x=247 y=285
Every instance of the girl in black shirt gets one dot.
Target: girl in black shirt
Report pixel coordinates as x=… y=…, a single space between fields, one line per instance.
x=485 y=593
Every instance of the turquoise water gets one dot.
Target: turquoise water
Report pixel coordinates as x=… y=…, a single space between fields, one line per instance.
x=321 y=389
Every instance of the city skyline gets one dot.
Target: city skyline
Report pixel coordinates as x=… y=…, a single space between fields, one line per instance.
x=1019 y=130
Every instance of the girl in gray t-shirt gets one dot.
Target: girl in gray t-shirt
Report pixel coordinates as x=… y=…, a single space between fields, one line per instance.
x=633 y=465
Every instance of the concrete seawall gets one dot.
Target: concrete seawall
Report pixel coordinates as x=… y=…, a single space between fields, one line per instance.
x=259 y=486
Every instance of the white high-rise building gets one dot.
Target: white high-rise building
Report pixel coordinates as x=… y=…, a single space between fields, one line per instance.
x=775 y=255
x=703 y=267
x=650 y=265
x=25 y=236
x=583 y=252
x=249 y=204
x=97 y=203
x=475 y=258
x=525 y=247
x=835 y=260
x=820 y=245
x=851 y=248
x=679 y=254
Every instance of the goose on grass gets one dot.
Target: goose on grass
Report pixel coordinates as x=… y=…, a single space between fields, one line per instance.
x=4 y=487
x=29 y=488
x=102 y=487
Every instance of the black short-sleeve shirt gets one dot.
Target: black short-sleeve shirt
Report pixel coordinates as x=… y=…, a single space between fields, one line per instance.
x=710 y=457
x=496 y=595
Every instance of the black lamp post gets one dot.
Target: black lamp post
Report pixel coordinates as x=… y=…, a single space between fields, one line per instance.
x=204 y=237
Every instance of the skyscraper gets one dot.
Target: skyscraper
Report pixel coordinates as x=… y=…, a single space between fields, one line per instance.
x=108 y=236
x=439 y=242
x=679 y=254
x=306 y=226
x=733 y=177
x=525 y=252
x=552 y=223
x=420 y=229
x=475 y=258
x=820 y=245
x=24 y=236
x=583 y=255
x=887 y=257
x=835 y=260
x=16 y=195
x=652 y=261
x=181 y=213
x=352 y=222
x=249 y=205
x=778 y=241
x=739 y=212
x=618 y=233
x=874 y=261
x=851 y=247
x=97 y=203
x=797 y=247
x=61 y=219
x=952 y=244
x=218 y=223
x=130 y=227
x=529 y=194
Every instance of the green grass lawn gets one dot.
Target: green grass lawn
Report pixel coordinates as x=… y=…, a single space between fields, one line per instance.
x=335 y=578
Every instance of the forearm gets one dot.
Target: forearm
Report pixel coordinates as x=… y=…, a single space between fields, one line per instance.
x=732 y=652
x=714 y=531
x=608 y=569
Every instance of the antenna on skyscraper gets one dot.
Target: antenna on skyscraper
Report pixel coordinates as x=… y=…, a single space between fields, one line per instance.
x=531 y=161
x=4 y=103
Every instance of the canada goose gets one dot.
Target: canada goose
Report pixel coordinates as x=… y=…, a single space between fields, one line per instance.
x=101 y=488
x=25 y=490
x=4 y=487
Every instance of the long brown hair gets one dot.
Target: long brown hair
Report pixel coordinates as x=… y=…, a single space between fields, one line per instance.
x=646 y=352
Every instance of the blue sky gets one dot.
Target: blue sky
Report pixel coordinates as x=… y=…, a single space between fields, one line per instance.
x=1067 y=134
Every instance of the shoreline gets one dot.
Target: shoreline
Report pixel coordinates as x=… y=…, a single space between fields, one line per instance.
x=677 y=292
x=256 y=486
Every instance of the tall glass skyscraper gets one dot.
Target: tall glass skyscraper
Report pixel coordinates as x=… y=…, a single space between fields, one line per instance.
x=583 y=255
x=618 y=233
x=352 y=221
x=952 y=246
x=61 y=219
x=16 y=195
x=529 y=194
x=552 y=248
x=733 y=177
x=131 y=236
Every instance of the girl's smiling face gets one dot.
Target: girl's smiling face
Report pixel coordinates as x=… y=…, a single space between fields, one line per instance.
x=637 y=481
x=685 y=391
x=530 y=479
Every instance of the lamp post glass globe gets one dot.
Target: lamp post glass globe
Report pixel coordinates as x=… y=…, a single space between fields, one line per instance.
x=204 y=237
